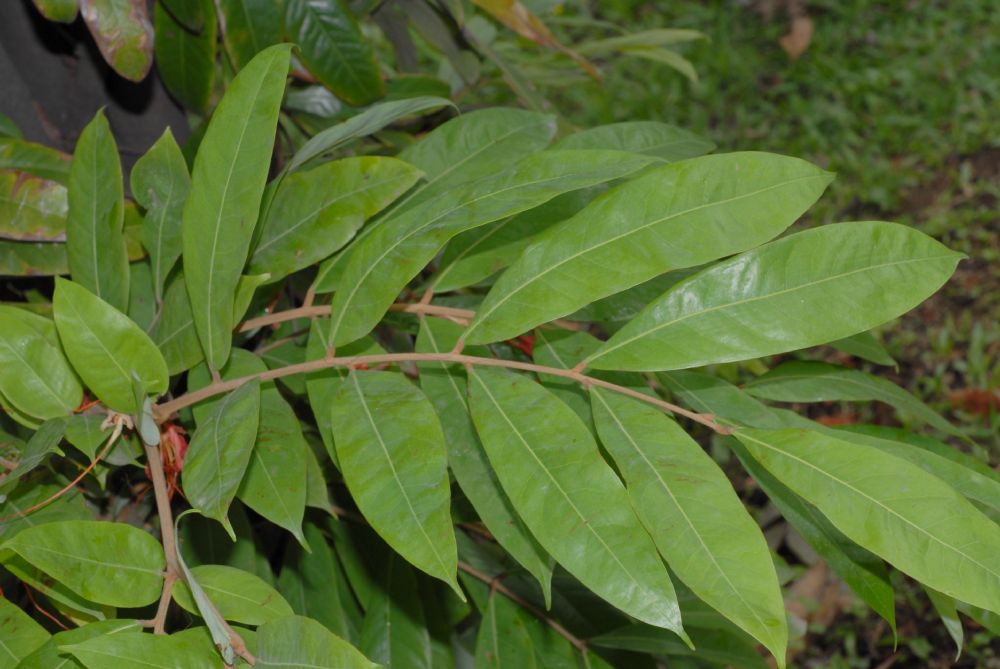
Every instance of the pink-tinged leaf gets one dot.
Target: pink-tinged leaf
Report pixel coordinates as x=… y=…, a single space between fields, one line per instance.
x=32 y=209
x=123 y=33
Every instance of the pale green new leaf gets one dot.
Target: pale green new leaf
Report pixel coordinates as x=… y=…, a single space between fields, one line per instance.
x=95 y=245
x=649 y=137
x=805 y=289
x=395 y=632
x=160 y=183
x=399 y=247
x=220 y=451
x=891 y=507
x=568 y=496
x=108 y=563
x=106 y=348
x=392 y=454
x=316 y=212
x=227 y=184
x=675 y=216
x=34 y=374
x=808 y=381
x=190 y=649
x=503 y=641
x=19 y=634
x=296 y=642
x=445 y=386
x=237 y=595
x=695 y=517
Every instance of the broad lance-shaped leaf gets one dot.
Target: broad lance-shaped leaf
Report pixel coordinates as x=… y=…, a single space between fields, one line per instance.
x=694 y=516
x=397 y=249
x=864 y=345
x=48 y=656
x=160 y=183
x=185 y=58
x=108 y=563
x=190 y=649
x=334 y=49
x=649 y=137
x=38 y=160
x=34 y=373
x=226 y=188
x=675 y=216
x=446 y=388
x=568 y=496
x=95 y=246
x=392 y=455
x=107 y=349
x=891 y=507
x=220 y=452
x=123 y=33
x=395 y=628
x=20 y=635
x=238 y=595
x=296 y=642
x=308 y=219
x=251 y=27
x=32 y=209
x=807 y=381
x=805 y=289
x=503 y=641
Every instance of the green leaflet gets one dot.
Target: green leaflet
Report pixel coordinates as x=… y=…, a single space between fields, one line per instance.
x=220 y=452
x=190 y=13
x=251 y=27
x=63 y=11
x=190 y=649
x=106 y=348
x=367 y=122
x=392 y=455
x=174 y=331
x=160 y=183
x=19 y=634
x=34 y=373
x=675 y=216
x=445 y=386
x=334 y=49
x=695 y=517
x=70 y=506
x=39 y=160
x=394 y=632
x=399 y=247
x=864 y=345
x=185 y=58
x=32 y=259
x=720 y=646
x=108 y=563
x=710 y=394
x=204 y=542
x=945 y=607
x=44 y=441
x=316 y=212
x=808 y=288
x=32 y=209
x=314 y=584
x=649 y=137
x=891 y=507
x=806 y=381
x=238 y=595
x=123 y=34
x=48 y=656
x=227 y=183
x=296 y=642
x=503 y=641
x=95 y=246
x=568 y=496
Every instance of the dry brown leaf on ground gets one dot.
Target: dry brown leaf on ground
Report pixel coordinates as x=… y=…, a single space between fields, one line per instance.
x=798 y=38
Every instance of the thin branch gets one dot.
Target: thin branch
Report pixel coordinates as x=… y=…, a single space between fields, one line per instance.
x=164 y=410
x=155 y=462
x=313 y=311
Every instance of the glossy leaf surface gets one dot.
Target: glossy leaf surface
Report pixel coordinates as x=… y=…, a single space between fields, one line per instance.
x=227 y=184
x=123 y=33
x=108 y=563
x=334 y=49
x=95 y=246
x=675 y=216
x=296 y=642
x=892 y=508
x=649 y=137
x=34 y=373
x=392 y=455
x=316 y=212
x=107 y=349
x=160 y=183
x=694 y=516
x=831 y=278
x=569 y=497
x=383 y=262
x=238 y=595
x=445 y=386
